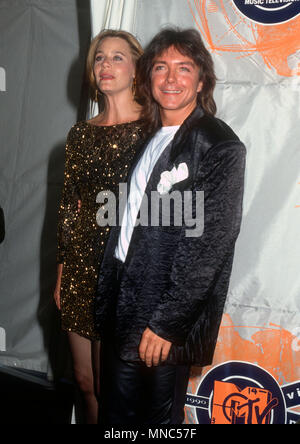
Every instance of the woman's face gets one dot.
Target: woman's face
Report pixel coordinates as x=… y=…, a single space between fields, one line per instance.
x=114 y=68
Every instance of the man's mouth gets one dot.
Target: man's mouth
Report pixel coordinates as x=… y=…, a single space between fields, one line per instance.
x=171 y=91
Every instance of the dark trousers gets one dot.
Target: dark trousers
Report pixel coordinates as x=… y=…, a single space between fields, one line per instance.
x=132 y=393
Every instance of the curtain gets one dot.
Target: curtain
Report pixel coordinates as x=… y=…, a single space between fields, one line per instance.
x=42 y=49
x=113 y=14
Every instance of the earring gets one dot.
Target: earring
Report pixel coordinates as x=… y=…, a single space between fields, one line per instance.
x=134 y=87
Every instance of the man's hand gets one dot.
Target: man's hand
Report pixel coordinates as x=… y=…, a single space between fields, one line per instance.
x=153 y=349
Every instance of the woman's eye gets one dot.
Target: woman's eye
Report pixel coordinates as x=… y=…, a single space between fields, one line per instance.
x=118 y=58
x=184 y=68
x=159 y=67
x=98 y=58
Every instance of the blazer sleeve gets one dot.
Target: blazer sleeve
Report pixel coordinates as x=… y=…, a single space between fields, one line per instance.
x=68 y=210
x=199 y=261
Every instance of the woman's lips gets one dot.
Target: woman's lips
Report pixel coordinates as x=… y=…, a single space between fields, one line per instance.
x=106 y=77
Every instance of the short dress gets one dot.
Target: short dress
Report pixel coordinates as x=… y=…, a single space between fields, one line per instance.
x=97 y=159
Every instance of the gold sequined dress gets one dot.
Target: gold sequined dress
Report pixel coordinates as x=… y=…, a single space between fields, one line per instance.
x=97 y=159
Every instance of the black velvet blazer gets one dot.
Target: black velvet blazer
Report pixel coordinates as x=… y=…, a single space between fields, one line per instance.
x=174 y=284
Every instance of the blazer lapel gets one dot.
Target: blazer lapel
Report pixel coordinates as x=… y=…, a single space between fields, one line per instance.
x=163 y=164
x=171 y=152
x=166 y=162
x=183 y=131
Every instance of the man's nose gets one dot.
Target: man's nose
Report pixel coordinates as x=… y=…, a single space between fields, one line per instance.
x=171 y=76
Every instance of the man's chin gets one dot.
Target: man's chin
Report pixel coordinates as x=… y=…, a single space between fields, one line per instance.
x=170 y=107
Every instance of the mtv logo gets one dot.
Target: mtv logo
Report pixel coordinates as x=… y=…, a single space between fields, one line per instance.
x=251 y=405
x=2 y=79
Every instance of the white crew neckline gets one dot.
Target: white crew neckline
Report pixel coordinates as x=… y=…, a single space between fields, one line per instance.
x=169 y=129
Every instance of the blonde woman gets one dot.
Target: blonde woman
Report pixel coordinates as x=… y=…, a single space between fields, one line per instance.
x=98 y=154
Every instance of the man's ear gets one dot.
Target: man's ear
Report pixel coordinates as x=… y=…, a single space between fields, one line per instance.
x=200 y=86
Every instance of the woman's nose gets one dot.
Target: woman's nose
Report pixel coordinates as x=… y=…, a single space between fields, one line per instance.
x=106 y=61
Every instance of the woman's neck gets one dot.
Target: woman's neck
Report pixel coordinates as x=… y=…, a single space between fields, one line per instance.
x=120 y=108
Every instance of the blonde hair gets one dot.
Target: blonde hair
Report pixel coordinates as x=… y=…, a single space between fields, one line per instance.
x=136 y=52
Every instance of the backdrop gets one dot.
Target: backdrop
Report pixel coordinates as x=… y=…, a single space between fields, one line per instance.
x=42 y=51
x=255 y=377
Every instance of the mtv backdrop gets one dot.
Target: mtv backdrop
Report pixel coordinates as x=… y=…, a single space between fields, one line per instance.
x=255 y=376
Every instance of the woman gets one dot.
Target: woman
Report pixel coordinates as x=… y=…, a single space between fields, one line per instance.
x=98 y=153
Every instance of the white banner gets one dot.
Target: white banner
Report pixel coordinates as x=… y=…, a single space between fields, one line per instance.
x=255 y=377
x=113 y=14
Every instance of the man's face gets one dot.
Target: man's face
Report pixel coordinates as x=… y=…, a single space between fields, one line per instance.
x=175 y=81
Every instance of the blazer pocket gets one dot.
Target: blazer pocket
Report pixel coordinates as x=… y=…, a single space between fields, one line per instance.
x=184 y=185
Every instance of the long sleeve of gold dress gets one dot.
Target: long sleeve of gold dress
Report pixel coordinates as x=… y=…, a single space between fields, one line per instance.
x=97 y=159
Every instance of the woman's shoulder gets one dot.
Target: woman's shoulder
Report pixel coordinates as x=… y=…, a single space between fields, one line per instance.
x=79 y=130
x=102 y=122
x=78 y=137
x=82 y=125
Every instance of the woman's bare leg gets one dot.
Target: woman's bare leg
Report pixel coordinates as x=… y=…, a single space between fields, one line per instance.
x=86 y=374
x=96 y=366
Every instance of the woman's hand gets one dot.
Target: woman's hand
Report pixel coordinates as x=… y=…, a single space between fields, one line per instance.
x=57 y=287
x=57 y=296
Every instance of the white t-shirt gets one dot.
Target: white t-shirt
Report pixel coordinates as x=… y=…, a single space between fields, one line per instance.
x=138 y=184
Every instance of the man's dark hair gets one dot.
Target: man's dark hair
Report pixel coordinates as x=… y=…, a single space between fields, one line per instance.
x=189 y=43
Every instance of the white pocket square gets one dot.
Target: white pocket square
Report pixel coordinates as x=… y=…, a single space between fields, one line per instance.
x=169 y=178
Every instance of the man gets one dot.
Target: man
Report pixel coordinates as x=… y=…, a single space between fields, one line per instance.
x=162 y=288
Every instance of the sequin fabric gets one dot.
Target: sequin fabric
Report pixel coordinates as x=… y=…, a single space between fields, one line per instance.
x=97 y=159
